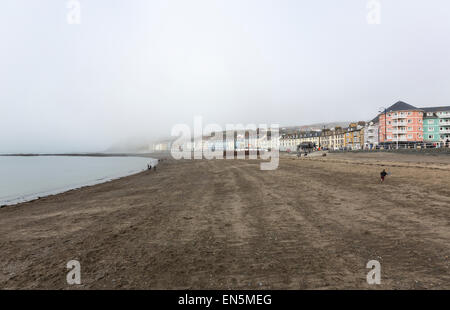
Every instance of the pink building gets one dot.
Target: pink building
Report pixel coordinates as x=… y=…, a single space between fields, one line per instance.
x=401 y=123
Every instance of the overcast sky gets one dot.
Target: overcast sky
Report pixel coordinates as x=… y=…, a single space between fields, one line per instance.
x=135 y=68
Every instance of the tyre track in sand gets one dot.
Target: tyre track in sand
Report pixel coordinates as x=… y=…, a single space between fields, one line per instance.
x=225 y=224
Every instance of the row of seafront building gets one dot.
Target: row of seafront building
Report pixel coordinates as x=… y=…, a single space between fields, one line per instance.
x=239 y=140
x=399 y=126
x=356 y=136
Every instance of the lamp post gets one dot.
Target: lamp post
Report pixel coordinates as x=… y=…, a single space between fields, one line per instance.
x=383 y=110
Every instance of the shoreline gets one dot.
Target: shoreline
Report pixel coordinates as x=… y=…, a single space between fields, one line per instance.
x=337 y=157
x=39 y=195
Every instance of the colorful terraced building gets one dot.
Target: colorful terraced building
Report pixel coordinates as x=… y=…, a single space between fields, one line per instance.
x=431 y=126
x=436 y=125
x=401 y=124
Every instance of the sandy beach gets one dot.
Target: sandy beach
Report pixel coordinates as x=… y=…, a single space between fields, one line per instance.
x=313 y=223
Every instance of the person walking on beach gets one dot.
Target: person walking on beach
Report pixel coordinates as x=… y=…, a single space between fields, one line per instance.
x=383 y=174
x=149 y=167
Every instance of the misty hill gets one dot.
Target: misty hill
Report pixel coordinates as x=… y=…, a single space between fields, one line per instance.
x=132 y=145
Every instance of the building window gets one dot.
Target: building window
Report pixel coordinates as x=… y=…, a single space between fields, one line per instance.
x=430 y=136
x=430 y=121
x=409 y=128
x=410 y=136
x=410 y=121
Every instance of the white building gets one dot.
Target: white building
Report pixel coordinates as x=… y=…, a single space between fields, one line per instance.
x=371 y=135
x=289 y=142
x=163 y=146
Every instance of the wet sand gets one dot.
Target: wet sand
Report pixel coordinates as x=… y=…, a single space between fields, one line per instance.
x=313 y=223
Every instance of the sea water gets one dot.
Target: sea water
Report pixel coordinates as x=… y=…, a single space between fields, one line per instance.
x=24 y=178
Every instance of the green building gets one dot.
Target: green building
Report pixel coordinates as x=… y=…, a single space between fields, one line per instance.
x=436 y=126
x=431 y=126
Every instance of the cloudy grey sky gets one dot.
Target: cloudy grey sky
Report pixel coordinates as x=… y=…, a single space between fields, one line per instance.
x=135 y=68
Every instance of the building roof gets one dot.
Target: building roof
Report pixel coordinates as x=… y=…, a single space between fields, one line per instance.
x=436 y=109
x=309 y=134
x=398 y=106
x=401 y=106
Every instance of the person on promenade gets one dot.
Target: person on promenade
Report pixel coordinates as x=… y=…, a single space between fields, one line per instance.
x=383 y=174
